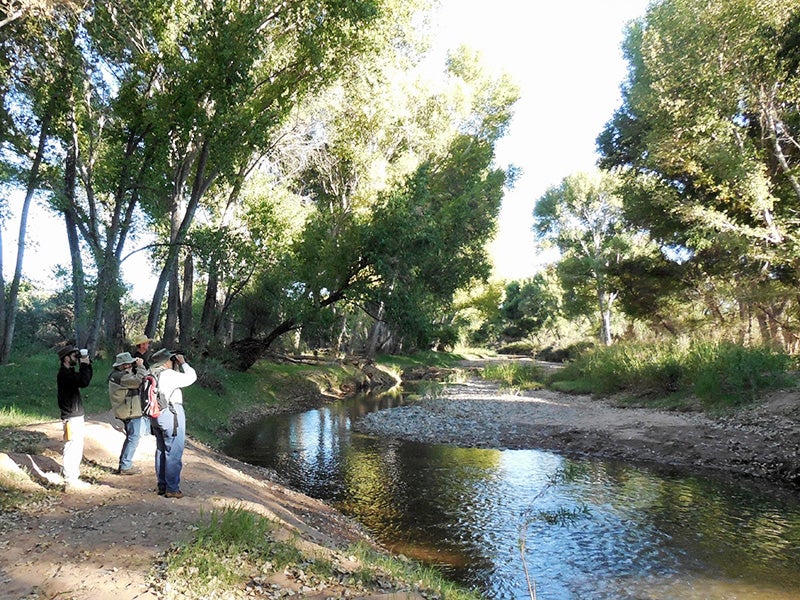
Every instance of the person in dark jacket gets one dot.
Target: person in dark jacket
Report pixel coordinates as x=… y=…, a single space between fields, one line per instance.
x=68 y=384
x=142 y=344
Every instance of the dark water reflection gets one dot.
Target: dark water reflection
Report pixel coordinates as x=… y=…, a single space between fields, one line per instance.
x=647 y=534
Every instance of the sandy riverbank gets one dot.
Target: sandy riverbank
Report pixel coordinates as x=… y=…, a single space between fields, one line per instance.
x=762 y=441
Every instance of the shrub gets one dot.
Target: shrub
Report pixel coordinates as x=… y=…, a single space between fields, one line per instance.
x=718 y=373
x=515 y=375
x=521 y=347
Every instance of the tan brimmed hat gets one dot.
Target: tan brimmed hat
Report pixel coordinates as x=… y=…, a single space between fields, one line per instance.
x=141 y=339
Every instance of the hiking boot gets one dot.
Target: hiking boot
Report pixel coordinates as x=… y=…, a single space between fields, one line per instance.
x=178 y=494
x=161 y=491
x=131 y=471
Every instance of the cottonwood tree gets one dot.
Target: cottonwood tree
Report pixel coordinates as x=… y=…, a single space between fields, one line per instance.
x=168 y=100
x=709 y=128
x=35 y=73
x=408 y=247
x=583 y=218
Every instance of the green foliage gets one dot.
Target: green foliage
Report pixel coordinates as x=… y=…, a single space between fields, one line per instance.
x=530 y=306
x=232 y=545
x=225 y=547
x=706 y=138
x=413 y=574
x=719 y=374
x=567 y=353
x=523 y=347
x=583 y=217
x=427 y=358
x=515 y=375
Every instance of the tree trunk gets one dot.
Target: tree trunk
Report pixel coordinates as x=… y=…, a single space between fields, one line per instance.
x=78 y=276
x=186 y=321
x=12 y=303
x=342 y=333
x=208 y=317
x=170 y=338
x=604 y=309
x=114 y=335
x=375 y=332
x=248 y=351
x=763 y=327
x=178 y=237
x=2 y=294
x=78 y=279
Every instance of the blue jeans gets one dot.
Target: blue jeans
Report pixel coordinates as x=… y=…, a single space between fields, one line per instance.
x=135 y=428
x=170 y=431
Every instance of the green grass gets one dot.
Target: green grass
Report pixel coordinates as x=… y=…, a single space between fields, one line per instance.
x=719 y=375
x=29 y=391
x=515 y=376
x=428 y=358
x=234 y=547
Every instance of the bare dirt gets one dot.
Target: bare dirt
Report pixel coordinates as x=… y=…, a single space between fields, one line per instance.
x=103 y=543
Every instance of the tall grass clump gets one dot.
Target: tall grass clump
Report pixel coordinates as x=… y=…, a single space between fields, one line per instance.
x=719 y=374
x=234 y=546
x=413 y=574
x=611 y=369
x=513 y=375
x=730 y=375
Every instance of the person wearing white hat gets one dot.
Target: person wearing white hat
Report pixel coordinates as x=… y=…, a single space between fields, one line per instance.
x=123 y=390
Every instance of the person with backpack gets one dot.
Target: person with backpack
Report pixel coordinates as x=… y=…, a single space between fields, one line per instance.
x=70 y=404
x=124 y=381
x=172 y=373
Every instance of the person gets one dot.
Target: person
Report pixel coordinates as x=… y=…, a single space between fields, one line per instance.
x=124 y=380
x=70 y=403
x=173 y=373
x=142 y=344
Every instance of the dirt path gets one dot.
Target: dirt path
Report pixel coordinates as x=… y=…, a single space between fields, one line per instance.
x=102 y=543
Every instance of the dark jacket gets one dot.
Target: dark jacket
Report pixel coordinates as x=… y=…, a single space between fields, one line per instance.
x=69 y=383
x=137 y=354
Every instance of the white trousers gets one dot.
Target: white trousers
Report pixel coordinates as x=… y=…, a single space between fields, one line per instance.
x=73 y=447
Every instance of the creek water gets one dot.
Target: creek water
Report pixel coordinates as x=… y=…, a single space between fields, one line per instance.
x=591 y=529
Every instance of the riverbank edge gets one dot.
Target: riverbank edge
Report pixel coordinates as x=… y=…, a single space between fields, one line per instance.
x=760 y=441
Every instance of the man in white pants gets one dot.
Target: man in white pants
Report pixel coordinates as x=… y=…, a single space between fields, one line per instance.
x=69 y=381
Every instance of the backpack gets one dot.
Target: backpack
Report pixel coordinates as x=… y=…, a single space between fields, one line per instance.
x=153 y=402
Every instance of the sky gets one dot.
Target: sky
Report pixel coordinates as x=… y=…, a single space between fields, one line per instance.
x=565 y=56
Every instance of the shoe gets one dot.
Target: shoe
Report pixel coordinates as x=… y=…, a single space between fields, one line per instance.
x=178 y=494
x=131 y=471
x=76 y=484
x=160 y=491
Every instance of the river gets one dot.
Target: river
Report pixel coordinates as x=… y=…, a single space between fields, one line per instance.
x=591 y=529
